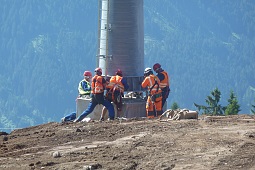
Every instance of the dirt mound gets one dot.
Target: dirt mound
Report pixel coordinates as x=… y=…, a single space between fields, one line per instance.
x=206 y=143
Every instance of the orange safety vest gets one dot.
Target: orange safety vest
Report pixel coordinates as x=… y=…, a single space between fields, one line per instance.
x=164 y=83
x=97 y=85
x=149 y=82
x=115 y=83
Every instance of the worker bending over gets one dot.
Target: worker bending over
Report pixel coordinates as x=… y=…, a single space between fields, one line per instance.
x=115 y=92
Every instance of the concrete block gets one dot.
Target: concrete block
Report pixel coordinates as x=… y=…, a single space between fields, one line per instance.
x=131 y=108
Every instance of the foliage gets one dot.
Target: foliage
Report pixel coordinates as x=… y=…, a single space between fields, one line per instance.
x=175 y=106
x=233 y=107
x=213 y=107
x=253 y=108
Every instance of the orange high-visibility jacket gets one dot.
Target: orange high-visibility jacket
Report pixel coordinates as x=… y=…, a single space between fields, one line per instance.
x=115 y=82
x=97 y=85
x=164 y=83
x=149 y=82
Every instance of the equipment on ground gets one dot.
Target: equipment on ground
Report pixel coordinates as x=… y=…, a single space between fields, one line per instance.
x=179 y=114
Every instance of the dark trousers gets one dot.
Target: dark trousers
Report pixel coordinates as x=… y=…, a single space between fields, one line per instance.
x=165 y=94
x=70 y=117
x=94 y=102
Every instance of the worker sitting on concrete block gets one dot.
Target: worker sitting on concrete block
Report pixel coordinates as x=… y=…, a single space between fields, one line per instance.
x=84 y=90
x=98 y=85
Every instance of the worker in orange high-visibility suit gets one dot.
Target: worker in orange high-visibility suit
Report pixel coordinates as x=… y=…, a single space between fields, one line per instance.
x=154 y=100
x=164 y=82
x=115 y=92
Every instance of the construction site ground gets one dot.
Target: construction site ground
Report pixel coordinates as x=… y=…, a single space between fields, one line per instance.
x=223 y=142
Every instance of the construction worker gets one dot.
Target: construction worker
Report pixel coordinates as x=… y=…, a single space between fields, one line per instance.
x=115 y=92
x=154 y=100
x=84 y=87
x=84 y=90
x=98 y=85
x=164 y=82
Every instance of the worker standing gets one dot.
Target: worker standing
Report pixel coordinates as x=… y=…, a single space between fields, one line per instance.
x=84 y=90
x=164 y=82
x=154 y=100
x=115 y=92
x=98 y=85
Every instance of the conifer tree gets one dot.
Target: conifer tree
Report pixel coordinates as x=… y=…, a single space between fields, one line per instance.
x=213 y=107
x=233 y=107
x=253 y=108
x=175 y=106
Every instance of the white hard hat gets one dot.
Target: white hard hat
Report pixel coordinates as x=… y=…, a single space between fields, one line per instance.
x=147 y=70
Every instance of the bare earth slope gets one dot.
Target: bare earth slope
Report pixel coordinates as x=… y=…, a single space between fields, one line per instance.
x=207 y=143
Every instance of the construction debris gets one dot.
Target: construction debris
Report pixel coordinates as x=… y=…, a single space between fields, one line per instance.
x=179 y=114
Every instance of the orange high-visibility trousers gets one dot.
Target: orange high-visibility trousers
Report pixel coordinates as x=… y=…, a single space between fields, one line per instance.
x=150 y=107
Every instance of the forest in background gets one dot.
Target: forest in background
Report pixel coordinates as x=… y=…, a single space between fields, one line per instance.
x=46 y=46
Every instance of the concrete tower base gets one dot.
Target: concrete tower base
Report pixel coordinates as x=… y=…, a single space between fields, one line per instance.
x=131 y=108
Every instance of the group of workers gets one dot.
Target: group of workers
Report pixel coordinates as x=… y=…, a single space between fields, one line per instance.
x=94 y=87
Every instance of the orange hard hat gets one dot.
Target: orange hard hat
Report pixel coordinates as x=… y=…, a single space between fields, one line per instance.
x=156 y=66
x=87 y=73
x=98 y=71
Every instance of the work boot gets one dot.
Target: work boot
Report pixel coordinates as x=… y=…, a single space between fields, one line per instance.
x=110 y=119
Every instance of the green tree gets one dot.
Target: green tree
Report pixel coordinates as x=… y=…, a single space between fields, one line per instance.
x=233 y=107
x=213 y=107
x=253 y=108
x=175 y=106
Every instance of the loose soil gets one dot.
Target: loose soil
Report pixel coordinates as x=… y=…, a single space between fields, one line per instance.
x=207 y=143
